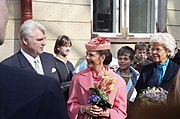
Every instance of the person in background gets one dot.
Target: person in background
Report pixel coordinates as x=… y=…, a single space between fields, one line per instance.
x=158 y=111
x=140 y=56
x=162 y=71
x=63 y=65
x=114 y=64
x=174 y=92
x=98 y=55
x=125 y=60
x=27 y=95
x=80 y=65
x=4 y=20
x=176 y=57
x=149 y=55
x=31 y=57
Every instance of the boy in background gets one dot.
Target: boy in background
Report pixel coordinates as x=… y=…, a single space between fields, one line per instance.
x=140 y=56
x=125 y=57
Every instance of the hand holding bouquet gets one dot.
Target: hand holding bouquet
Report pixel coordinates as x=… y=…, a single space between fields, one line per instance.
x=99 y=98
x=100 y=92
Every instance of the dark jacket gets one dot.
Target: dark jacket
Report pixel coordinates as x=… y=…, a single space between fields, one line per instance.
x=148 y=76
x=27 y=95
x=65 y=73
x=176 y=58
x=139 y=64
x=20 y=61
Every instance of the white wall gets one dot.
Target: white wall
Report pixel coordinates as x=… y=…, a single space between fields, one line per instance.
x=72 y=18
x=173 y=19
x=68 y=17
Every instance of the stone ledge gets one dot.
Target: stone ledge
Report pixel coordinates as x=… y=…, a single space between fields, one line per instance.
x=128 y=40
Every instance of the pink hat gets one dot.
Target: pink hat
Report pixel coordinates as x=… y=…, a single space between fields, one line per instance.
x=98 y=44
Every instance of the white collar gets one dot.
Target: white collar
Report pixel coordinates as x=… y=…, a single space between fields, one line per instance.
x=30 y=58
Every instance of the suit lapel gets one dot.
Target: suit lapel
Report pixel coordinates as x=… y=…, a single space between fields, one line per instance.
x=24 y=63
x=45 y=64
x=48 y=64
x=168 y=76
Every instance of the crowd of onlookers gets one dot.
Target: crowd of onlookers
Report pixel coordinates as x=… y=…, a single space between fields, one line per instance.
x=121 y=79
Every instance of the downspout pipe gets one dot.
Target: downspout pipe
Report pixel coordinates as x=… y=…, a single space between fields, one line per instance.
x=26 y=10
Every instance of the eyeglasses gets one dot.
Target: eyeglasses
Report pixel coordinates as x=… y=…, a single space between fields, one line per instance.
x=156 y=49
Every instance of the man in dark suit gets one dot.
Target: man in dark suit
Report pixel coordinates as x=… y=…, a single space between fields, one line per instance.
x=27 y=95
x=31 y=55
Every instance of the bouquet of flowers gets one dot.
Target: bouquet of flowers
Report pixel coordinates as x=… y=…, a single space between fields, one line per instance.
x=100 y=93
x=153 y=95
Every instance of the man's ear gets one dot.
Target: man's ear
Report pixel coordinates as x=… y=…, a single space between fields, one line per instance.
x=24 y=41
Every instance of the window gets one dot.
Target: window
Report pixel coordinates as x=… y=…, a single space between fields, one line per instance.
x=111 y=16
x=102 y=15
x=142 y=16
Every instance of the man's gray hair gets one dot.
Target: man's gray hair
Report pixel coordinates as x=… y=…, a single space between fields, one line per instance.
x=28 y=27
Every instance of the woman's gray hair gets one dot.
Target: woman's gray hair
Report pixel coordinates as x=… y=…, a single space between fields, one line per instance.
x=28 y=27
x=166 y=40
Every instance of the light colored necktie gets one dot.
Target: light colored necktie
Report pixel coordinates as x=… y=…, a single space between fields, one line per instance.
x=37 y=67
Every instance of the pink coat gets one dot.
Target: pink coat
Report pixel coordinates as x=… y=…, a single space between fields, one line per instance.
x=79 y=94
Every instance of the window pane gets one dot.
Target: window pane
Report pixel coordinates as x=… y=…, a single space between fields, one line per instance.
x=102 y=15
x=141 y=16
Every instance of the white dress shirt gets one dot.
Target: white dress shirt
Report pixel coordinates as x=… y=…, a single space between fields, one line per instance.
x=32 y=61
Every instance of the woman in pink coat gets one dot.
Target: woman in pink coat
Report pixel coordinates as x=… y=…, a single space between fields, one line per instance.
x=98 y=75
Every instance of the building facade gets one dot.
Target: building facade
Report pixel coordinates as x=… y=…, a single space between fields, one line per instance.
x=124 y=22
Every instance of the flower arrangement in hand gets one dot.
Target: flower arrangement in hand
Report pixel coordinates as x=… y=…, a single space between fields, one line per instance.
x=154 y=95
x=100 y=93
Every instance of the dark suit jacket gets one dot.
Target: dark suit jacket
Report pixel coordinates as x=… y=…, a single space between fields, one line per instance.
x=20 y=61
x=27 y=95
x=176 y=58
x=148 y=76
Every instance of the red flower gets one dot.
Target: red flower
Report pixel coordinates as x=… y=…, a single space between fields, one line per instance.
x=108 y=92
x=99 y=86
x=108 y=83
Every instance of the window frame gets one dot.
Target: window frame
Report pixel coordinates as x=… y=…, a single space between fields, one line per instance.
x=124 y=19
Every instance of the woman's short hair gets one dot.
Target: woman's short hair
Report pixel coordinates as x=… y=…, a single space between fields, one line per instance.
x=62 y=40
x=108 y=56
x=166 y=40
x=28 y=27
